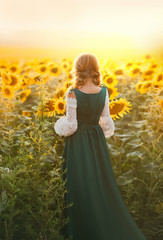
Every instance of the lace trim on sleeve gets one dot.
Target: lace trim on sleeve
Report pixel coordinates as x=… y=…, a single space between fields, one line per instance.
x=64 y=127
x=72 y=102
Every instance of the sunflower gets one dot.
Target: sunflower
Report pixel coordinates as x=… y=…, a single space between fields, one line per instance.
x=7 y=92
x=14 y=81
x=65 y=66
x=134 y=71
x=139 y=86
x=119 y=107
x=146 y=86
x=154 y=65
x=67 y=84
x=159 y=78
x=64 y=60
x=139 y=63
x=129 y=65
x=158 y=85
x=110 y=80
x=118 y=72
x=60 y=93
x=148 y=74
x=24 y=82
x=39 y=79
x=3 y=66
x=14 y=68
x=24 y=94
x=49 y=108
x=69 y=75
x=54 y=69
x=5 y=78
x=42 y=68
x=112 y=92
x=60 y=106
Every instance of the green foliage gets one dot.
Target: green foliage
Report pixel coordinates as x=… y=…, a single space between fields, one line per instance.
x=136 y=155
x=31 y=184
x=32 y=188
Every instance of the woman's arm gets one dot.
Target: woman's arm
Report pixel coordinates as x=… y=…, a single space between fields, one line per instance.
x=106 y=122
x=67 y=125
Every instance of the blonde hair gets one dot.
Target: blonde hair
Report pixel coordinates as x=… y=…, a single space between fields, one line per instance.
x=86 y=65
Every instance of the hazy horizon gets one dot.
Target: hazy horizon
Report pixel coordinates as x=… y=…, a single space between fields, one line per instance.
x=97 y=26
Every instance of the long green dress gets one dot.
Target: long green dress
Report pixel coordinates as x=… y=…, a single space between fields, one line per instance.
x=98 y=211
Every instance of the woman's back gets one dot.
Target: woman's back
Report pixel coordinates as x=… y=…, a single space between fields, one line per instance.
x=89 y=106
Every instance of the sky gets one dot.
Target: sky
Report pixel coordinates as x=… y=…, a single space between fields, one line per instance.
x=86 y=24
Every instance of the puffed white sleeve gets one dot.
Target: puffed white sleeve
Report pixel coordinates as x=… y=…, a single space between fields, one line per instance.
x=106 y=122
x=67 y=125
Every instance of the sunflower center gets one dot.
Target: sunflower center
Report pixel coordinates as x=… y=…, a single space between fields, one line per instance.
x=154 y=66
x=160 y=77
x=117 y=108
x=149 y=72
x=129 y=64
x=109 y=80
x=38 y=78
x=43 y=69
x=7 y=91
x=60 y=93
x=136 y=70
x=139 y=86
x=60 y=106
x=54 y=69
x=14 y=81
x=2 y=66
x=110 y=91
x=118 y=72
x=13 y=69
x=22 y=95
x=147 y=85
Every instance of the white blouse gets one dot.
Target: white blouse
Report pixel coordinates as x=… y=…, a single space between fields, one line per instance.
x=67 y=125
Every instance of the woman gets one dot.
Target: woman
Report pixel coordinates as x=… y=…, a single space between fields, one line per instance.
x=98 y=211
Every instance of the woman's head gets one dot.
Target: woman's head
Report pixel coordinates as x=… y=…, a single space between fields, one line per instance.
x=86 y=66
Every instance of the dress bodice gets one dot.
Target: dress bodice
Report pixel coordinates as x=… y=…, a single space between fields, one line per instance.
x=90 y=106
x=86 y=111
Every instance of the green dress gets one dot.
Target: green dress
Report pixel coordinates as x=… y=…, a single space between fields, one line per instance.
x=98 y=211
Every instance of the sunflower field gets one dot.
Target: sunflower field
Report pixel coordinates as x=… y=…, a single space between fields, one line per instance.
x=32 y=98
